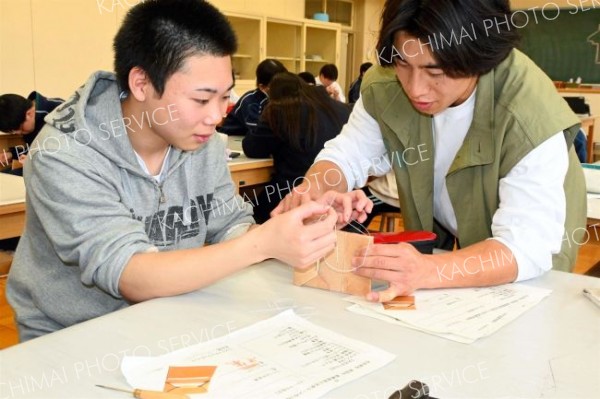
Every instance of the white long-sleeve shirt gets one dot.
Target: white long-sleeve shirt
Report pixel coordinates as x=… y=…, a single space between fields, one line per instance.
x=336 y=86
x=532 y=211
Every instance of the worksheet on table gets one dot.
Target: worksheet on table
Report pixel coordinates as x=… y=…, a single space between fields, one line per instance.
x=459 y=314
x=282 y=357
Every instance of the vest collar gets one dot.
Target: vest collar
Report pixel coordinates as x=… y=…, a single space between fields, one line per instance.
x=478 y=147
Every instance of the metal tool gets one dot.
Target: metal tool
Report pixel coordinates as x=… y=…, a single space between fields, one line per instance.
x=144 y=394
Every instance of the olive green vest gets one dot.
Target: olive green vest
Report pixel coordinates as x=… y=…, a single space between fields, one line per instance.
x=516 y=109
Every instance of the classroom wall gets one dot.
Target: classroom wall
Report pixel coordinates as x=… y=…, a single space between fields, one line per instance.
x=16 y=52
x=369 y=30
x=54 y=45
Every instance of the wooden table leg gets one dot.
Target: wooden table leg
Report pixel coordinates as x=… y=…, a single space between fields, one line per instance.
x=590 y=143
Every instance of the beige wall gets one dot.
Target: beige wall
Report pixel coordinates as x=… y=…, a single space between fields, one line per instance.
x=16 y=52
x=370 y=33
x=54 y=45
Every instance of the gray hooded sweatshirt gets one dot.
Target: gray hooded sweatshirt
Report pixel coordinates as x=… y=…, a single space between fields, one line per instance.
x=91 y=207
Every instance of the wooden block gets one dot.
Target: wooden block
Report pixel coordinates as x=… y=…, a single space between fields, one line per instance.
x=335 y=272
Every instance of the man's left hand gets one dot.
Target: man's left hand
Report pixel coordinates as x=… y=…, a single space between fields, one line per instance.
x=405 y=268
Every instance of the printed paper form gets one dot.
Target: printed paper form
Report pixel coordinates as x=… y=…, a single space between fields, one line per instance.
x=593 y=208
x=463 y=315
x=282 y=357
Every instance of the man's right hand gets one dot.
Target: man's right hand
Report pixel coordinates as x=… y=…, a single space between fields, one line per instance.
x=353 y=205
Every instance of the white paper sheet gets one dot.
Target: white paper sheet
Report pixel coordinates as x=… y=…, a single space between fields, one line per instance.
x=460 y=314
x=593 y=206
x=281 y=357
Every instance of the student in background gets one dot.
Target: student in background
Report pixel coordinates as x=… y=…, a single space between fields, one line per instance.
x=23 y=116
x=578 y=105
x=481 y=144
x=580 y=144
x=354 y=91
x=328 y=78
x=119 y=213
x=308 y=78
x=246 y=112
x=293 y=129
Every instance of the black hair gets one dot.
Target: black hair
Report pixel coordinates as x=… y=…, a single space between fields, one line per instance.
x=266 y=69
x=159 y=35
x=284 y=113
x=308 y=78
x=364 y=67
x=13 y=108
x=466 y=37
x=330 y=71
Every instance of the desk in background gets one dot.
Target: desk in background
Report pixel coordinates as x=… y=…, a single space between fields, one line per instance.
x=12 y=206
x=10 y=140
x=6 y=141
x=247 y=171
x=244 y=172
x=551 y=351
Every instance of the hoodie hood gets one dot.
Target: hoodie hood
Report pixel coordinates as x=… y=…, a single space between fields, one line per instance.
x=88 y=117
x=93 y=117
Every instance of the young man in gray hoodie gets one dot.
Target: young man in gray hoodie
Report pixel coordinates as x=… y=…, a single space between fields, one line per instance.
x=127 y=181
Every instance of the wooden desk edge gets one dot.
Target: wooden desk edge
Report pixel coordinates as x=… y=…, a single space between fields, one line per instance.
x=12 y=208
x=579 y=90
x=588 y=120
x=262 y=163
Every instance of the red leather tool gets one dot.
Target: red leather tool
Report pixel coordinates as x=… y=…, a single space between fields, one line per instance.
x=424 y=241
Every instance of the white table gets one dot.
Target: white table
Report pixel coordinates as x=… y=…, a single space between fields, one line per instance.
x=12 y=205
x=553 y=350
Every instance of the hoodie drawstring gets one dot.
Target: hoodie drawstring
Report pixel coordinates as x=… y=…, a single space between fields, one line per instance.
x=187 y=171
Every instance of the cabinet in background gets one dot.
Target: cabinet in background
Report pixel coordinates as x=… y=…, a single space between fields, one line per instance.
x=322 y=45
x=301 y=45
x=284 y=43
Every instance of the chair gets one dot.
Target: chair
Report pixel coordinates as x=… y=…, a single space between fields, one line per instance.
x=388 y=221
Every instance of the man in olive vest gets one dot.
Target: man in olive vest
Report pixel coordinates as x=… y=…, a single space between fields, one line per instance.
x=480 y=143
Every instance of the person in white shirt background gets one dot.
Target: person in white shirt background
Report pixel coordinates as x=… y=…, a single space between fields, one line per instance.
x=328 y=78
x=492 y=155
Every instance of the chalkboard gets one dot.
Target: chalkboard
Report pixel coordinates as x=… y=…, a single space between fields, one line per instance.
x=565 y=43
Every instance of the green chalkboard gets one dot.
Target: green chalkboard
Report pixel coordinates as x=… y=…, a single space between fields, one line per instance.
x=565 y=43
